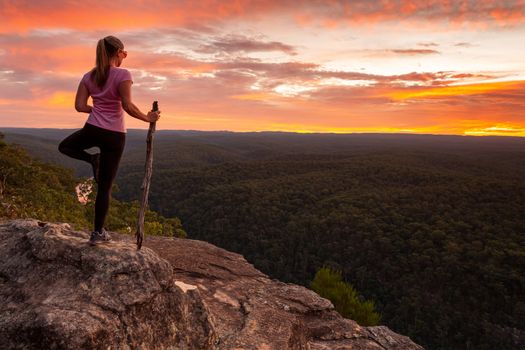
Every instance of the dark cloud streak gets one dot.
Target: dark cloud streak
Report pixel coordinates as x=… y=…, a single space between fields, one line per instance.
x=414 y=52
x=237 y=44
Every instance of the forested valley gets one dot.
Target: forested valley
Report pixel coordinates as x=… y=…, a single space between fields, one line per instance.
x=431 y=228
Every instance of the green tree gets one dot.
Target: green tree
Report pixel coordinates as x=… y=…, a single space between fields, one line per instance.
x=329 y=284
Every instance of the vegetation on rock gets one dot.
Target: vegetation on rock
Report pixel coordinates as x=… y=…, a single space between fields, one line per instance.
x=30 y=188
x=329 y=284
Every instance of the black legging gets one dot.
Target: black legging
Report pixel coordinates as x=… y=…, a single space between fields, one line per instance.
x=111 y=144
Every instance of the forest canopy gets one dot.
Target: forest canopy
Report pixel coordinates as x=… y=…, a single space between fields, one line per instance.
x=430 y=228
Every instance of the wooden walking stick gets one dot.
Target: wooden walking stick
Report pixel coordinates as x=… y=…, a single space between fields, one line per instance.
x=147 y=180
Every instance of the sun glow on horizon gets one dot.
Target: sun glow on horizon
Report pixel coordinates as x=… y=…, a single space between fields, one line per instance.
x=458 y=90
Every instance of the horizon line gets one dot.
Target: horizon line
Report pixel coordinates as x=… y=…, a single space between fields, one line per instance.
x=291 y=132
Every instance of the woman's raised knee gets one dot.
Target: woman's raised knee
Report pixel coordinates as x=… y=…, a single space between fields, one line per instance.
x=62 y=147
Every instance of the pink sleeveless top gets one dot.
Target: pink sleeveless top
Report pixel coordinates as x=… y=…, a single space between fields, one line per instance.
x=107 y=112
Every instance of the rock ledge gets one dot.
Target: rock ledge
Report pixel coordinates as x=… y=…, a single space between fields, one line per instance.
x=57 y=292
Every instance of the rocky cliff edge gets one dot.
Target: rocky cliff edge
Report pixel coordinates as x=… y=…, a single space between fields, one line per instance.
x=57 y=292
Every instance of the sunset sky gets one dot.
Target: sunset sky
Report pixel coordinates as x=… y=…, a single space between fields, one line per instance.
x=439 y=67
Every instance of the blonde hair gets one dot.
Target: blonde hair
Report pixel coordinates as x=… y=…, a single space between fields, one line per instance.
x=106 y=48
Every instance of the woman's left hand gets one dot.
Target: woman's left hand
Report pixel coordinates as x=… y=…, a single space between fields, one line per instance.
x=153 y=116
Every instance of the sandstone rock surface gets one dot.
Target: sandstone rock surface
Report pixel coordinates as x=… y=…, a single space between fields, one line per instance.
x=57 y=292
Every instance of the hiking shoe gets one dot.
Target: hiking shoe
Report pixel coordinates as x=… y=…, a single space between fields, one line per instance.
x=95 y=164
x=97 y=237
x=105 y=235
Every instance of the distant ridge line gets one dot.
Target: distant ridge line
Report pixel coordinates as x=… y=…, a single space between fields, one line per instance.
x=278 y=132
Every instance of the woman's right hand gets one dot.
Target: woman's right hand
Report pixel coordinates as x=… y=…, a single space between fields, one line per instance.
x=153 y=116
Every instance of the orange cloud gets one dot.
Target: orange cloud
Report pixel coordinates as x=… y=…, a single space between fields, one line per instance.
x=255 y=97
x=70 y=59
x=456 y=90
x=127 y=14
x=4 y=101
x=123 y=14
x=61 y=99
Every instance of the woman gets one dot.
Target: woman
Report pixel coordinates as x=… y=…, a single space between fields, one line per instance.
x=110 y=88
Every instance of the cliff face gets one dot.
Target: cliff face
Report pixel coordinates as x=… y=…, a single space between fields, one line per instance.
x=57 y=292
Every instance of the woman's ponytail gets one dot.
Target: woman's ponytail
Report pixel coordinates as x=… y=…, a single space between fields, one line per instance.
x=102 y=64
x=106 y=48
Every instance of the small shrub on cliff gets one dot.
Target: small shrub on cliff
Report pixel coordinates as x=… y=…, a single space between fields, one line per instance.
x=329 y=284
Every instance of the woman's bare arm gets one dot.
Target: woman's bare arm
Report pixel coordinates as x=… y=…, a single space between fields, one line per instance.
x=81 y=99
x=125 y=95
